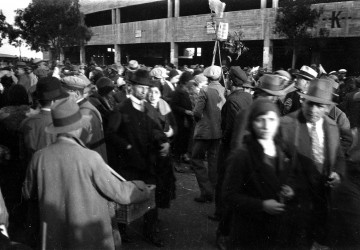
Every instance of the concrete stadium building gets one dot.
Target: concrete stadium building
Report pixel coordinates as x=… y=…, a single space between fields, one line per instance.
x=177 y=31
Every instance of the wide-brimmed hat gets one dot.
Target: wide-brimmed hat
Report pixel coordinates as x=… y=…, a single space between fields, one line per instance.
x=307 y=73
x=140 y=77
x=320 y=91
x=49 y=88
x=66 y=117
x=272 y=84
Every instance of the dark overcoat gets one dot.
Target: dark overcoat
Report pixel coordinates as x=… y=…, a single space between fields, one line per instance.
x=248 y=182
x=309 y=183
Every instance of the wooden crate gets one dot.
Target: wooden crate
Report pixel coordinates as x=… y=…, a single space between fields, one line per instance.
x=128 y=213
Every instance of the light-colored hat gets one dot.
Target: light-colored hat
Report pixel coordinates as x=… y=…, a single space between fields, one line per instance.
x=213 y=72
x=283 y=74
x=133 y=65
x=158 y=73
x=66 y=117
x=272 y=84
x=332 y=72
x=342 y=71
x=307 y=73
x=200 y=78
x=74 y=82
x=320 y=91
x=38 y=60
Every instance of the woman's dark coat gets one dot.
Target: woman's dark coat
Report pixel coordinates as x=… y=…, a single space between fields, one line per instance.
x=248 y=182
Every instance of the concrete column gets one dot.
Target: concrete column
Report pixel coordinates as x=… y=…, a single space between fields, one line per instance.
x=113 y=16
x=263 y=4
x=117 y=54
x=118 y=15
x=268 y=55
x=275 y=3
x=268 y=45
x=174 y=53
x=177 y=8
x=82 y=54
x=170 y=8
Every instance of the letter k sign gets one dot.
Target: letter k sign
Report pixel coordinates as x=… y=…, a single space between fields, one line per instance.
x=335 y=19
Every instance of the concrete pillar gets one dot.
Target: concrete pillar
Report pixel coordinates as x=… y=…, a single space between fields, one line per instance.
x=117 y=54
x=118 y=15
x=268 y=54
x=174 y=53
x=263 y=4
x=113 y=16
x=170 y=8
x=82 y=54
x=268 y=45
x=275 y=3
x=177 y=8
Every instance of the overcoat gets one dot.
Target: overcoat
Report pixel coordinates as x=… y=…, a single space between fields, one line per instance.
x=207 y=111
x=33 y=133
x=248 y=182
x=93 y=136
x=128 y=126
x=73 y=186
x=309 y=183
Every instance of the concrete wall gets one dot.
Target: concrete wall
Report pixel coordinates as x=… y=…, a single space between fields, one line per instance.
x=341 y=19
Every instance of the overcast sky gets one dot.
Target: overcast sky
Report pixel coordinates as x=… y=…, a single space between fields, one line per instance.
x=8 y=7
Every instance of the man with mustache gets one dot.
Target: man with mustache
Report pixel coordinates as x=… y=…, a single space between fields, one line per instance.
x=313 y=141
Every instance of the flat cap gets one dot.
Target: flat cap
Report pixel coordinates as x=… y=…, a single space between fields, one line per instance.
x=213 y=72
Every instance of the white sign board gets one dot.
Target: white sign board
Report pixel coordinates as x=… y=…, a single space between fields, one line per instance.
x=137 y=33
x=223 y=31
x=210 y=28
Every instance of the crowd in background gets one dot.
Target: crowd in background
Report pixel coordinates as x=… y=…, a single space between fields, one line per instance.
x=247 y=135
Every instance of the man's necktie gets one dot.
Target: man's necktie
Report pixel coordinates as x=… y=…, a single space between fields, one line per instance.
x=317 y=149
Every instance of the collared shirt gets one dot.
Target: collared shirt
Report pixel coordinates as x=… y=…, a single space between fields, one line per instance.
x=319 y=130
x=137 y=104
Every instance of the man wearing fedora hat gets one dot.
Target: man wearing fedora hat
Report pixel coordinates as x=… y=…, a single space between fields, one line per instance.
x=48 y=89
x=23 y=78
x=271 y=87
x=73 y=186
x=303 y=77
x=313 y=141
x=93 y=135
x=135 y=138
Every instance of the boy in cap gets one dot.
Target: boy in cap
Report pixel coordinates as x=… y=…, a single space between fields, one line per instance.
x=207 y=133
x=73 y=185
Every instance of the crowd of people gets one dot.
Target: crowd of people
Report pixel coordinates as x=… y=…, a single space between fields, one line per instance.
x=277 y=152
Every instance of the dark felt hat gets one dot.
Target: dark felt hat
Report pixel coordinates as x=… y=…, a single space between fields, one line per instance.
x=320 y=91
x=49 y=88
x=140 y=77
x=104 y=86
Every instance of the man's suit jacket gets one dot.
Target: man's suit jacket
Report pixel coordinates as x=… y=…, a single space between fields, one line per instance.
x=308 y=179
